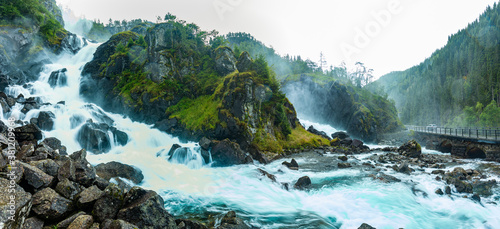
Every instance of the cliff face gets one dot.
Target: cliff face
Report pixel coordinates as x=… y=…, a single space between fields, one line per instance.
x=189 y=89
x=362 y=114
x=28 y=41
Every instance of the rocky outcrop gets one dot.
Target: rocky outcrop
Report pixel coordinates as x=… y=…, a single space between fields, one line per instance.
x=225 y=62
x=96 y=137
x=226 y=153
x=116 y=169
x=58 y=78
x=342 y=106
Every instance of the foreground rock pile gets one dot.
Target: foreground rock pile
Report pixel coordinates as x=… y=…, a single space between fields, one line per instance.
x=42 y=187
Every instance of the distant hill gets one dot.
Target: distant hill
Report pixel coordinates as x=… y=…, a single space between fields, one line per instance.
x=459 y=85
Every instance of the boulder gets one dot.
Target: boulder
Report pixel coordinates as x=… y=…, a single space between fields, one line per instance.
x=340 y=135
x=58 y=78
x=357 y=143
x=82 y=222
x=410 y=149
x=67 y=170
x=313 y=130
x=46 y=120
x=227 y=153
x=49 y=205
x=84 y=172
x=118 y=224
x=343 y=165
x=33 y=223
x=35 y=177
x=87 y=198
x=117 y=169
x=293 y=165
x=225 y=62
x=53 y=143
x=403 y=168
x=109 y=204
x=28 y=132
x=101 y=183
x=231 y=221
x=68 y=189
x=94 y=137
x=172 y=150
x=266 y=174
x=302 y=183
x=21 y=203
x=439 y=192
x=48 y=166
x=365 y=226
x=66 y=222
x=146 y=210
x=343 y=158
x=205 y=143
x=189 y=224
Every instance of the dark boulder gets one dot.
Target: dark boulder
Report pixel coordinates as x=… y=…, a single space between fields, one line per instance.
x=82 y=222
x=66 y=170
x=35 y=177
x=343 y=165
x=365 y=226
x=84 y=172
x=343 y=158
x=266 y=174
x=189 y=224
x=68 y=189
x=403 y=168
x=205 y=143
x=173 y=149
x=227 y=153
x=48 y=166
x=109 y=204
x=66 y=222
x=21 y=205
x=95 y=137
x=117 y=169
x=410 y=149
x=302 y=183
x=86 y=199
x=28 y=132
x=58 y=78
x=49 y=205
x=340 y=135
x=53 y=143
x=357 y=143
x=146 y=210
x=231 y=221
x=439 y=192
x=33 y=223
x=293 y=165
x=117 y=224
x=346 y=141
x=313 y=130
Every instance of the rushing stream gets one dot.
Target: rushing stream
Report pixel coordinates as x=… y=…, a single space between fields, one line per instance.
x=338 y=198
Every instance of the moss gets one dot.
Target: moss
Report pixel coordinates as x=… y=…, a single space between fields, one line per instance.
x=201 y=113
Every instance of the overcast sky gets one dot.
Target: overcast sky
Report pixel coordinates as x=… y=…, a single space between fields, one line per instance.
x=386 y=35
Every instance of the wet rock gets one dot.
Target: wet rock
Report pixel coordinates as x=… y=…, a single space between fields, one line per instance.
x=173 y=149
x=340 y=135
x=227 y=153
x=343 y=158
x=189 y=224
x=117 y=169
x=101 y=183
x=365 y=226
x=357 y=143
x=343 y=165
x=94 y=137
x=146 y=210
x=28 y=132
x=33 y=223
x=84 y=172
x=484 y=188
x=313 y=130
x=476 y=198
x=410 y=149
x=266 y=174
x=118 y=224
x=120 y=137
x=439 y=191
x=292 y=165
x=447 y=190
x=35 y=177
x=46 y=120
x=403 y=168
x=385 y=178
x=87 y=198
x=49 y=205
x=346 y=141
x=53 y=143
x=461 y=186
x=21 y=205
x=68 y=189
x=231 y=221
x=66 y=222
x=438 y=171
x=302 y=183
x=48 y=166
x=58 y=78
x=82 y=222
x=67 y=170
x=109 y=204
x=205 y=143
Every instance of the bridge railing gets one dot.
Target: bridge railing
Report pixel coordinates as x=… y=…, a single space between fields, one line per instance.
x=476 y=133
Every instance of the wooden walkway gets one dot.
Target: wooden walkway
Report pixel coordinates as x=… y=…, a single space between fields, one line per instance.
x=492 y=134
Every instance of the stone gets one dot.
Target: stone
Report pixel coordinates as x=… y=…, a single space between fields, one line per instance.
x=403 y=168
x=82 y=222
x=67 y=170
x=340 y=135
x=94 y=137
x=292 y=165
x=205 y=143
x=266 y=174
x=68 y=189
x=119 y=224
x=21 y=203
x=302 y=183
x=101 y=183
x=84 y=172
x=343 y=165
x=48 y=166
x=410 y=149
x=53 y=143
x=313 y=130
x=49 y=205
x=35 y=177
x=146 y=210
x=46 y=120
x=231 y=221
x=476 y=197
x=447 y=190
x=365 y=226
x=109 y=204
x=439 y=191
x=227 y=153
x=445 y=146
x=117 y=169
x=66 y=222
x=343 y=158
x=28 y=132
x=33 y=223
x=357 y=143
x=87 y=198
x=58 y=78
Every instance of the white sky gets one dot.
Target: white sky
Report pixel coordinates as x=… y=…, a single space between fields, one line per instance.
x=412 y=32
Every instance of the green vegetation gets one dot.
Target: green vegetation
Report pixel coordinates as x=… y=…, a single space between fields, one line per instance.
x=445 y=88
x=479 y=116
x=197 y=114
x=29 y=13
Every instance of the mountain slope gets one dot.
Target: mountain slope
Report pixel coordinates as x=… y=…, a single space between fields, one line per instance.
x=462 y=74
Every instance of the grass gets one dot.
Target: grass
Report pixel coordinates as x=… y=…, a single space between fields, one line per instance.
x=201 y=113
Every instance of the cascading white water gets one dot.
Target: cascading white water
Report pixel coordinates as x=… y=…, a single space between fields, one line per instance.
x=338 y=198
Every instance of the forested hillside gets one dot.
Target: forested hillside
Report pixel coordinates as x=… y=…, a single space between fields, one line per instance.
x=459 y=85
